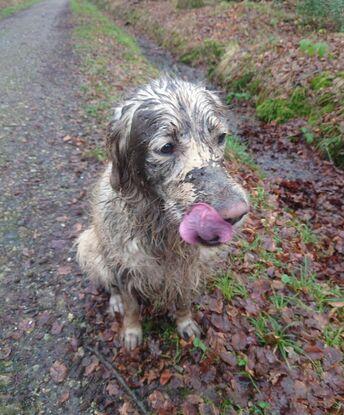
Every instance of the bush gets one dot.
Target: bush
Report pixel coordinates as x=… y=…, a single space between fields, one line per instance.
x=323 y=12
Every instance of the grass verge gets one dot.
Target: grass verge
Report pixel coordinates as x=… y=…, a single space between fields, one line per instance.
x=111 y=59
x=111 y=63
x=9 y=7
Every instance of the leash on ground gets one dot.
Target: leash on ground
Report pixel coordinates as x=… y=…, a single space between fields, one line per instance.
x=139 y=404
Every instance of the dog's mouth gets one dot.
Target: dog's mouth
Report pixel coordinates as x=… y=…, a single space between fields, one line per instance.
x=212 y=242
x=203 y=225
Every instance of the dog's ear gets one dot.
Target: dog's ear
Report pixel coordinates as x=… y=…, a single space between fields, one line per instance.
x=114 y=137
x=125 y=149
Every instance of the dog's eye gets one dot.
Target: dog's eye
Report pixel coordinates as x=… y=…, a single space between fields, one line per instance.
x=167 y=148
x=221 y=139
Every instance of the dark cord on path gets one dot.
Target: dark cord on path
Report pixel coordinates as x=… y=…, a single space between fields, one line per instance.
x=139 y=404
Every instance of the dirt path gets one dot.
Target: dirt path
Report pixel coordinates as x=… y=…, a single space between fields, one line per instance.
x=42 y=184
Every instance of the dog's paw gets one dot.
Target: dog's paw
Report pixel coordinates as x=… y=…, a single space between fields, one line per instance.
x=132 y=337
x=188 y=328
x=116 y=304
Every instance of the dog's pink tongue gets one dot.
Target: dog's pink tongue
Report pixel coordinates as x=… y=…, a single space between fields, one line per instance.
x=204 y=222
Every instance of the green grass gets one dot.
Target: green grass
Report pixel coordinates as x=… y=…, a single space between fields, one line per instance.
x=305 y=282
x=321 y=81
x=110 y=57
x=282 y=110
x=8 y=11
x=231 y=287
x=101 y=25
x=209 y=52
x=270 y=331
x=259 y=198
x=235 y=147
x=97 y=153
x=334 y=336
x=311 y=49
x=322 y=13
x=307 y=236
x=280 y=301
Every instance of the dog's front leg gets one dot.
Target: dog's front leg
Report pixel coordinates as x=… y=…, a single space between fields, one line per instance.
x=132 y=329
x=186 y=325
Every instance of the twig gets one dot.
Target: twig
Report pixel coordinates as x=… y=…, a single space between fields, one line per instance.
x=120 y=380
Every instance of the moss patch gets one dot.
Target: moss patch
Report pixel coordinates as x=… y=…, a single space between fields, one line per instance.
x=282 y=110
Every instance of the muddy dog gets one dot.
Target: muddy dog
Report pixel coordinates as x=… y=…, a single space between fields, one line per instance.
x=163 y=203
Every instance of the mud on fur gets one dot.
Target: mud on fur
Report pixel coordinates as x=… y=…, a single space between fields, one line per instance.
x=166 y=149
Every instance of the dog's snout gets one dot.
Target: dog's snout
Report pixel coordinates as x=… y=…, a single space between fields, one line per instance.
x=234 y=213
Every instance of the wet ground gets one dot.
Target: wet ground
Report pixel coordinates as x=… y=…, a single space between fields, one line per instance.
x=42 y=188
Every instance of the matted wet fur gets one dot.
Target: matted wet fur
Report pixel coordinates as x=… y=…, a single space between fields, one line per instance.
x=166 y=147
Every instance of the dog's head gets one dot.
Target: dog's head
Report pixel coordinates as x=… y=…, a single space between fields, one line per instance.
x=167 y=143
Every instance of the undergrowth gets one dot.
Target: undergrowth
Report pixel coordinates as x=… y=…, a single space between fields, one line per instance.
x=244 y=64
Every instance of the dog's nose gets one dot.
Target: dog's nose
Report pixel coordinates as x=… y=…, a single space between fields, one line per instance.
x=234 y=213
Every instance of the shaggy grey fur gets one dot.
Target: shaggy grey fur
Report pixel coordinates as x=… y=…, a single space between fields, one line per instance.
x=166 y=146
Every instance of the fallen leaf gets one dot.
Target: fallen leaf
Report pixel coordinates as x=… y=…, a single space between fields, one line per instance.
x=58 y=372
x=92 y=366
x=112 y=389
x=64 y=269
x=64 y=397
x=56 y=328
x=239 y=341
x=165 y=377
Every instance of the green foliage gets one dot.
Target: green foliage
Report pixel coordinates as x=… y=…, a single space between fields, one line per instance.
x=308 y=135
x=270 y=331
x=274 y=109
x=323 y=13
x=189 y=4
x=8 y=11
x=209 y=52
x=101 y=25
x=242 y=83
x=306 y=234
x=333 y=147
x=319 y=49
x=280 y=301
x=282 y=110
x=240 y=96
x=198 y=344
x=231 y=287
x=321 y=81
x=239 y=150
x=97 y=153
x=334 y=336
x=259 y=198
x=305 y=282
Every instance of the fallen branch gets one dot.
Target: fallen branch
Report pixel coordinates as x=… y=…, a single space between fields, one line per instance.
x=139 y=404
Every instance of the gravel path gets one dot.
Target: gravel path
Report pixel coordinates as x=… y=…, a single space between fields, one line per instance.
x=41 y=196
